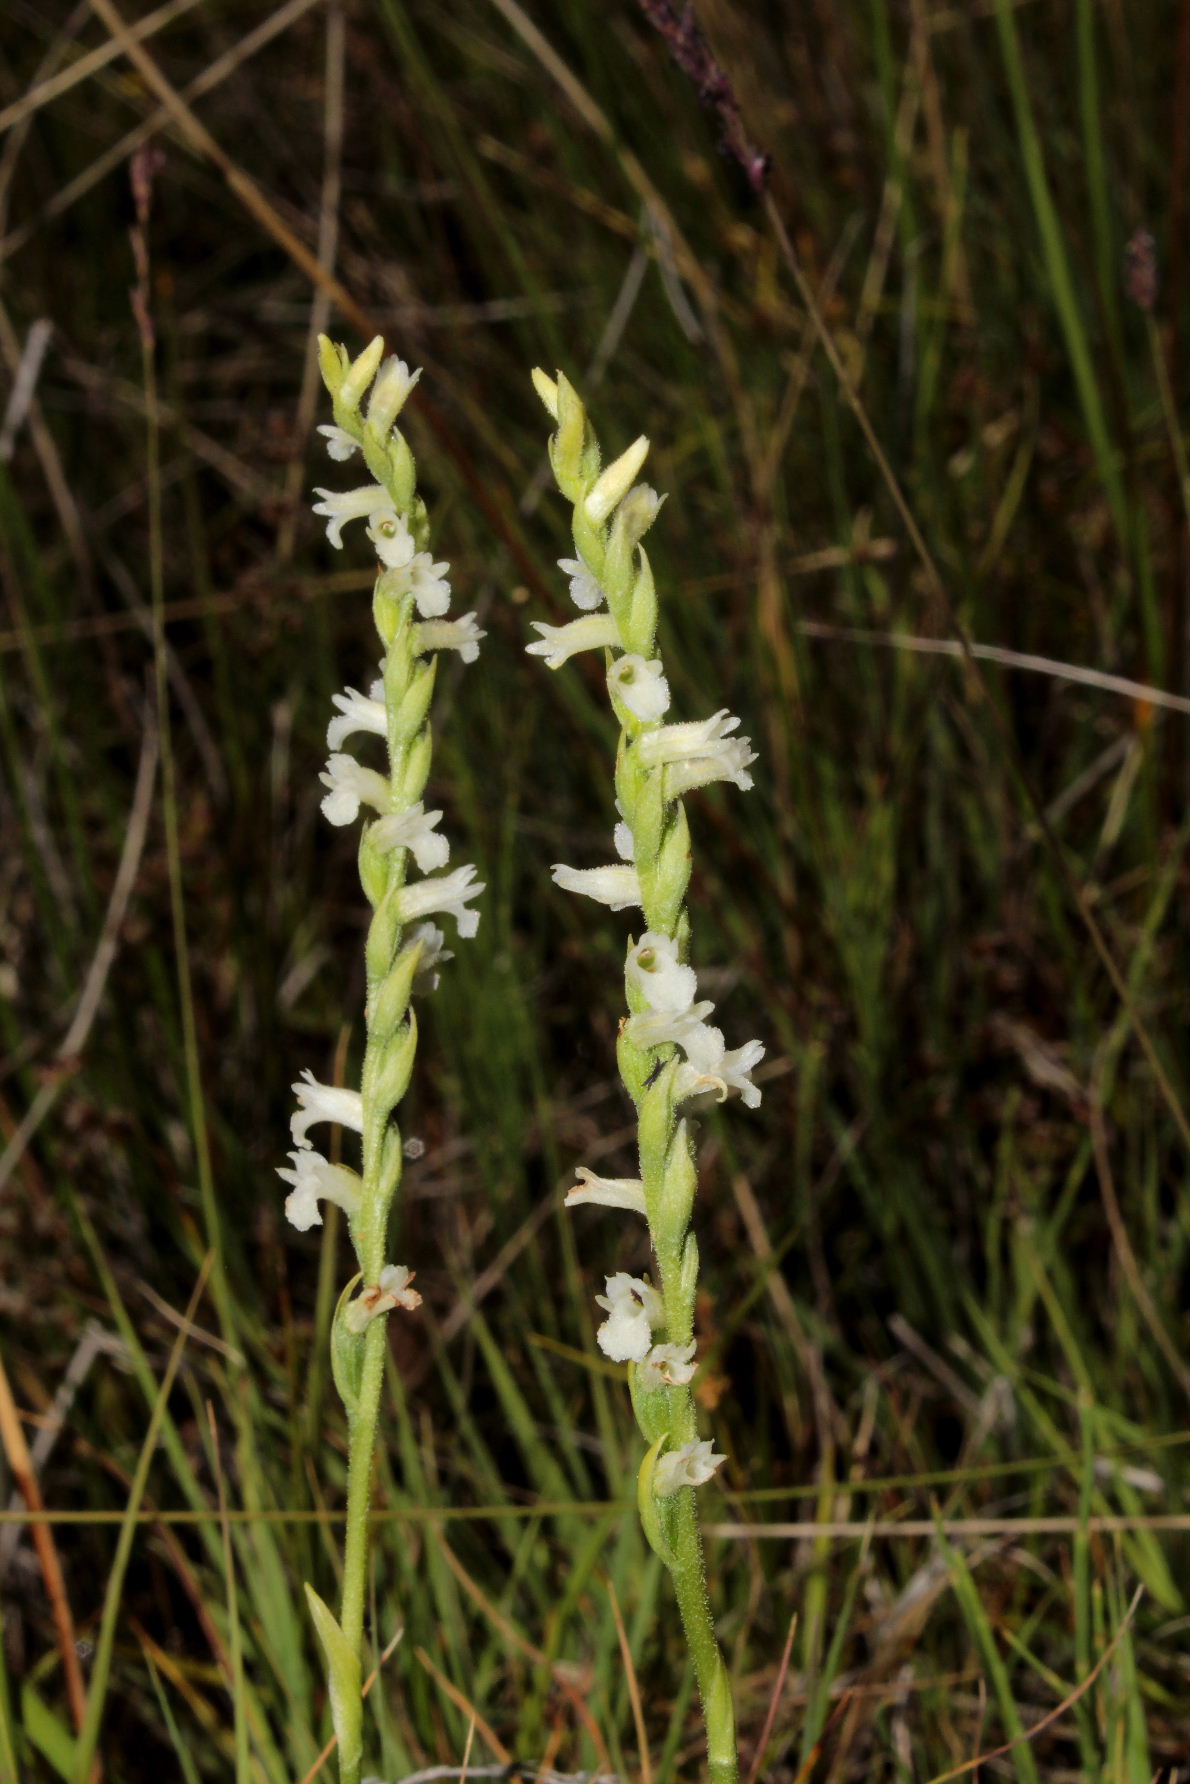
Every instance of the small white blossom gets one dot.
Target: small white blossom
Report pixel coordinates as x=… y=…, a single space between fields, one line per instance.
x=431 y=591
x=729 y=762
x=413 y=829
x=557 y=643
x=391 y=1291
x=606 y=1192
x=658 y=1028
x=690 y=1466
x=392 y=539
x=412 y=572
x=339 y=443
x=677 y=743
x=446 y=892
x=667 y=1366
x=617 y=886
x=390 y=392
x=640 y=685
x=711 y=1071
x=614 y=483
x=653 y=969
x=462 y=635
x=633 y=1307
x=625 y=842
x=699 y=752
x=315 y=1179
x=338 y=506
x=351 y=785
x=585 y=592
x=357 y=712
x=323 y=1102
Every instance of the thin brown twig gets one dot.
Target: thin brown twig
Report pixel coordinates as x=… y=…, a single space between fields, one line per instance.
x=1106 y=1524
x=638 y=1714
x=851 y=1529
x=93 y=1342
x=212 y=76
x=514 y=1639
x=244 y=187
x=90 y=63
x=1031 y=1734
x=1008 y=659
x=12 y=1437
x=241 y=477
x=462 y=1702
x=774 y=1702
x=56 y=54
x=57 y=481
x=518 y=1771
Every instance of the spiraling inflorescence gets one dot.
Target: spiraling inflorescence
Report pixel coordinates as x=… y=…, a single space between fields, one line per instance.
x=671 y=1059
x=404 y=946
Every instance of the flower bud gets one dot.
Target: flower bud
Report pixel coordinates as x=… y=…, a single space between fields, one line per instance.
x=332 y=363
x=394 y=381
x=614 y=483
x=547 y=390
x=361 y=373
x=570 y=447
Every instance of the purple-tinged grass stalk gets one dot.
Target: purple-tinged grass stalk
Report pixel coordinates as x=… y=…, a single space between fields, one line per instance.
x=404 y=946
x=670 y=1058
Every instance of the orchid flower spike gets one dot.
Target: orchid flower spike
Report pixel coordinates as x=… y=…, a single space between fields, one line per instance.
x=671 y=1061
x=403 y=951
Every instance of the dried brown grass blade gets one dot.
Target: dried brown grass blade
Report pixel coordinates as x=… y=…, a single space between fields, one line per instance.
x=16 y=1449
x=1030 y=1734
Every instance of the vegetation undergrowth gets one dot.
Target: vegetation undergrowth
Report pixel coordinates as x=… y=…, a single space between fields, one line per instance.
x=941 y=1339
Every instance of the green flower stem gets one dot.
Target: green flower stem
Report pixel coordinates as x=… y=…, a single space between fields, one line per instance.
x=360 y=1457
x=370 y=1233
x=690 y=1586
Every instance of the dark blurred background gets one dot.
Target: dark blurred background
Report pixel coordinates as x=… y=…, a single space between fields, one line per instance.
x=942 y=1263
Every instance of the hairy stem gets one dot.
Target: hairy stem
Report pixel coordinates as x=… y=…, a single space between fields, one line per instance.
x=360 y=1455
x=689 y=1577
